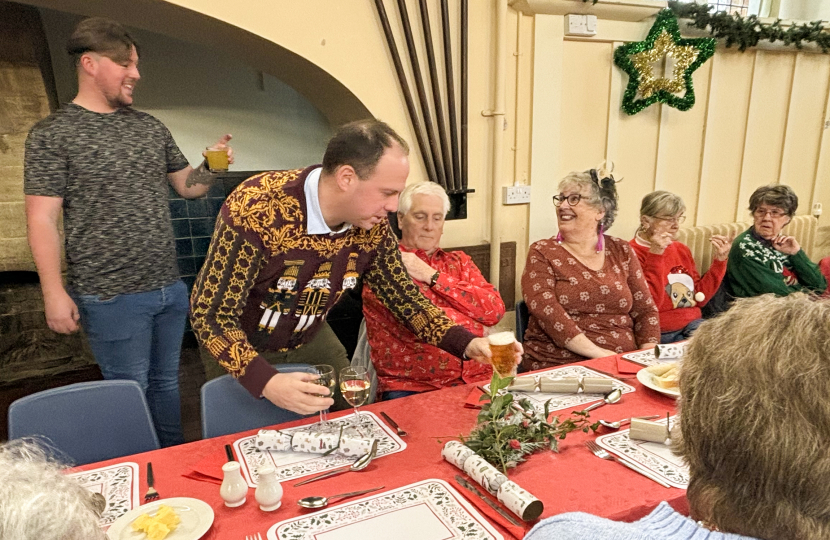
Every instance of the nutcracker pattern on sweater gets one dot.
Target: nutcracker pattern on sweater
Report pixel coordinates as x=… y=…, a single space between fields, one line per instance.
x=611 y=306
x=675 y=286
x=404 y=362
x=267 y=284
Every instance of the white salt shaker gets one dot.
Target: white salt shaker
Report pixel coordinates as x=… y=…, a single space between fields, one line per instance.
x=234 y=490
x=268 y=490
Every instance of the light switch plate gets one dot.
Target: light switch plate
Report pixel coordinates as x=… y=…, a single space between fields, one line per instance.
x=580 y=25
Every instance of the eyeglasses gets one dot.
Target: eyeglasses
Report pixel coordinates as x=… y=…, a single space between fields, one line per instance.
x=678 y=220
x=774 y=214
x=573 y=199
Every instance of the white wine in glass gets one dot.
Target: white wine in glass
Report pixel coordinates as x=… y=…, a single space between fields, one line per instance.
x=325 y=377
x=355 y=386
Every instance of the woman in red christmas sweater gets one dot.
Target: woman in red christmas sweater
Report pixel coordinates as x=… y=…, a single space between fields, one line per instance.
x=669 y=268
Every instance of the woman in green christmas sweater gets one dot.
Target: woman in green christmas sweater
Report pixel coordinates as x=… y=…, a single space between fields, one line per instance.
x=763 y=260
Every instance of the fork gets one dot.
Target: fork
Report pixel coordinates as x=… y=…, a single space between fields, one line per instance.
x=398 y=430
x=151 y=494
x=602 y=453
x=256 y=536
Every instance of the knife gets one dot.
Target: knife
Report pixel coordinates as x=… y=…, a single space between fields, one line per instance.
x=501 y=511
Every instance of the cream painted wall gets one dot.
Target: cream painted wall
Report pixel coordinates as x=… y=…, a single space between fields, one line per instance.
x=345 y=39
x=759 y=118
x=201 y=94
x=759 y=115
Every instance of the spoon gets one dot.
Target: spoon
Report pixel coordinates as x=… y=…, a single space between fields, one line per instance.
x=618 y=423
x=360 y=463
x=99 y=503
x=321 y=502
x=612 y=397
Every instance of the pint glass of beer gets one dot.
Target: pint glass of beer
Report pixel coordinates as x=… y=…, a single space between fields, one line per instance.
x=504 y=356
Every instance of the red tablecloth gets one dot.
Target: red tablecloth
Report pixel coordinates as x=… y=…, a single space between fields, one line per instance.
x=572 y=480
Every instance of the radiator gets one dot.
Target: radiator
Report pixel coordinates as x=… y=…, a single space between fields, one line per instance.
x=803 y=228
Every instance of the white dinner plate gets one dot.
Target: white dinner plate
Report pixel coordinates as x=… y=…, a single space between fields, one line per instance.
x=647 y=378
x=196 y=515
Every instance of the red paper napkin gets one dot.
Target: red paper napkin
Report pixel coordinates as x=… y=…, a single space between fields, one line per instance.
x=209 y=469
x=472 y=401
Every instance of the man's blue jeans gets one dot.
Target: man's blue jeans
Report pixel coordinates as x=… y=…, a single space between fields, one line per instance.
x=139 y=337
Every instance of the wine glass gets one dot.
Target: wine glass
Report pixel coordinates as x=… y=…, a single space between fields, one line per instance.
x=355 y=385
x=325 y=377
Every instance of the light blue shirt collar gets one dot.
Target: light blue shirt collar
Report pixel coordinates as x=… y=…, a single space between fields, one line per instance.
x=316 y=222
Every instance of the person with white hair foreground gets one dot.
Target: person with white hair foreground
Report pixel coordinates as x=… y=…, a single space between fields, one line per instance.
x=38 y=501
x=754 y=429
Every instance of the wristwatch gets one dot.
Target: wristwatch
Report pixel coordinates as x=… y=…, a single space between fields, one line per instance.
x=434 y=279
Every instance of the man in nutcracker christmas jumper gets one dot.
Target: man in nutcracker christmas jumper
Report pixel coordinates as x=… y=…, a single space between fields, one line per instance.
x=287 y=244
x=404 y=363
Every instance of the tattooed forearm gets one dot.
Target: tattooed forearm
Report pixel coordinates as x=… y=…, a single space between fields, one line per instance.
x=200 y=175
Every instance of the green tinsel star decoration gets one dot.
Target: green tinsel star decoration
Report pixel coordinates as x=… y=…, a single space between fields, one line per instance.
x=663 y=42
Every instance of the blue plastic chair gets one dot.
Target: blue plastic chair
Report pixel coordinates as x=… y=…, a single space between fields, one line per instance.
x=522 y=316
x=88 y=421
x=228 y=408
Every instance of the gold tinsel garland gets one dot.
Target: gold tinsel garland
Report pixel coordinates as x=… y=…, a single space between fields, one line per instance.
x=663 y=42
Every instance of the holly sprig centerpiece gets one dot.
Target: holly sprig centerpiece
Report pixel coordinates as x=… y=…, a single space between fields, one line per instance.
x=509 y=429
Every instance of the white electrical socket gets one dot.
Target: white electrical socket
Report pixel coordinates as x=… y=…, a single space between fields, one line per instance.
x=817 y=209
x=580 y=25
x=516 y=194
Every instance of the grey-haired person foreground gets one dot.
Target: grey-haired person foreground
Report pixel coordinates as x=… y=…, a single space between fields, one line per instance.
x=38 y=501
x=754 y=429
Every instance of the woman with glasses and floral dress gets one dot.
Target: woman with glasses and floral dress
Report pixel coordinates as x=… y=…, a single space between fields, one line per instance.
x=675 y=285
x=585 y=290
x=763 y=260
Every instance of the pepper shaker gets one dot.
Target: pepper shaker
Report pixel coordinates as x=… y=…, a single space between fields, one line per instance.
x=268 y=491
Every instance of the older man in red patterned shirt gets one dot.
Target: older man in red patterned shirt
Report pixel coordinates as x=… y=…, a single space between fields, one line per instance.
x=404 y=364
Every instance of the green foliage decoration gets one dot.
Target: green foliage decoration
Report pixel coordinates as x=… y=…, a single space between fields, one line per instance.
x=746 y=32
x=508 y=430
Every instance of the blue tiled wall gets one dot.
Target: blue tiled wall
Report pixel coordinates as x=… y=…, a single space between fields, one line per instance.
x=193 y=221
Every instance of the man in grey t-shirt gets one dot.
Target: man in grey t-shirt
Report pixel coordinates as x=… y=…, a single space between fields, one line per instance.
x=108 y=166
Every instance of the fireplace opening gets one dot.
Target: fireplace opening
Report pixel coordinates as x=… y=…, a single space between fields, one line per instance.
x=28 y=348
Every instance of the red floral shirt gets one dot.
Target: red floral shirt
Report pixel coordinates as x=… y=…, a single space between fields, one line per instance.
x=401 y=360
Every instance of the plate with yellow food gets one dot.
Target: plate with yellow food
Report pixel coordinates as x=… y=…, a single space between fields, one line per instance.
x=177 y=518
x=663 y=378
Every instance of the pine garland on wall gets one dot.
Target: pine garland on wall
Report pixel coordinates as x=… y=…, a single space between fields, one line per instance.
x=748 y=31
